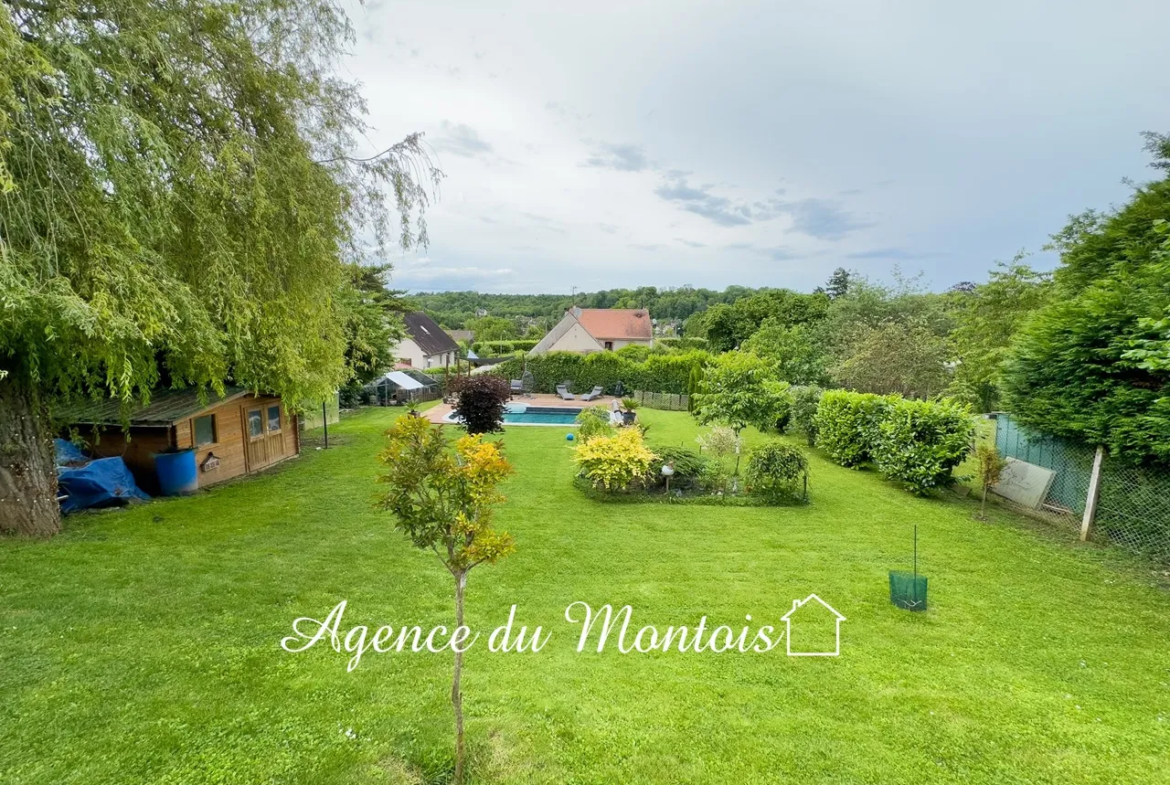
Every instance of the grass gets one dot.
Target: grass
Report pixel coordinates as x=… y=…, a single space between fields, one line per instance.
x=142 y=646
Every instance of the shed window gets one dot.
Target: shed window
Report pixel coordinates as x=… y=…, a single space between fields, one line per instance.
x=255 y=424
x=274 y=419
x=205 y=430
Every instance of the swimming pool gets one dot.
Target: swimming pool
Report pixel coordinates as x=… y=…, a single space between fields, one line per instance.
x=525 y=414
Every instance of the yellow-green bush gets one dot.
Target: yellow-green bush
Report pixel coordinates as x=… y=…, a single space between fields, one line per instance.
x=614 y=463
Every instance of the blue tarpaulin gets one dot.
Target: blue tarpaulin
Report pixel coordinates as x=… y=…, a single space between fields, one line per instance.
x=95 y=483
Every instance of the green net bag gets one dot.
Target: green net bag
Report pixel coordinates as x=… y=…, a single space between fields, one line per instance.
x=908 y=590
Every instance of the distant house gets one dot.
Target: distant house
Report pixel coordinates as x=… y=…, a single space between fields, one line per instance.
x=237 y=434
x=425 y=344
x=461 y=335
x=586 y=330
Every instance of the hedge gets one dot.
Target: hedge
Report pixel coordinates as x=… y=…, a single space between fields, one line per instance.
x=683 y=343
x=916 y=443
x=920 y=443
x=666 y=373
x=498 y=348
x=847 y=424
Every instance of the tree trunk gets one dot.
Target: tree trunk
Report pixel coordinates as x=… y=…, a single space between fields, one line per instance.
x=28 y=478
x=456 y=692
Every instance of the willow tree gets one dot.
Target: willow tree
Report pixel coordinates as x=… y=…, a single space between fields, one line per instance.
x=178 y=194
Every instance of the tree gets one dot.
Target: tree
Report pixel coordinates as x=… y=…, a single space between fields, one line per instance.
x=1075 y=370
x=795 y=351
x=991 y=465
x=178 y=187
x=443 y=499
x=739 y=389
x=896 y=357
x=838 y=285
x=371 y=321
x=493 y=328
x=694 y=385
x=986 y=320
x=482 y=402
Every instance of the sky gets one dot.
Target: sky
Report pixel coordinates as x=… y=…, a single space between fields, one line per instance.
x=605 y=145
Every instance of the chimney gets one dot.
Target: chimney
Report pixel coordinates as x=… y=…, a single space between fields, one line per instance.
x=576 y=311
x=795 y=604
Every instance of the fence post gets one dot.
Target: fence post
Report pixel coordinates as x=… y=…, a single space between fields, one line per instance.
x=1094 y=494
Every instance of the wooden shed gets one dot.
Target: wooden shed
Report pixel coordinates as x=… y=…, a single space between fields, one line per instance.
x=237 y=434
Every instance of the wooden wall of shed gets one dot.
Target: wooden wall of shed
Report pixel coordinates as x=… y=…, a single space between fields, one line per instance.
x=138 y=453
x=229 y=446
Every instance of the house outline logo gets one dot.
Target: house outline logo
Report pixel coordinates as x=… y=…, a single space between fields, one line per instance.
x=787 y=619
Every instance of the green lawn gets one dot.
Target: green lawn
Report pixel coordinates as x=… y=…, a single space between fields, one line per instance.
x=142 y=646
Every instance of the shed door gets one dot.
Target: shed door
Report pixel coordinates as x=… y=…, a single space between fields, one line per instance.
x=264 y=435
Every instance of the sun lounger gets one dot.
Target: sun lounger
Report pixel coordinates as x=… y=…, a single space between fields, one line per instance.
x=593 y=394
x=564 y=393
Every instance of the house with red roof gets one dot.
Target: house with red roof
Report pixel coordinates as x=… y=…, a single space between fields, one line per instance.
x=586 y=330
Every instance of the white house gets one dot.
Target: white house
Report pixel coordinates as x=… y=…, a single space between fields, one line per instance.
x=818 y=613
x=425 y=344
x=585 y=330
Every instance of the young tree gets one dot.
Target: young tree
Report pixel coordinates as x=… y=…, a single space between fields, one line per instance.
x=482 y=402
x=178 y=187
x=443 y=500
x=794 y=351
x=991 y=465
x=739 y=389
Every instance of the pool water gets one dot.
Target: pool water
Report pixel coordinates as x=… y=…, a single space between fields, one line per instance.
x=521 y=414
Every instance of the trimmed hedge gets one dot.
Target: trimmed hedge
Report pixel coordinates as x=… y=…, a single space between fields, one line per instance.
x=916 y=443
x=847 y=424
x=666 y=373
x=683 y=344
x=498 y=348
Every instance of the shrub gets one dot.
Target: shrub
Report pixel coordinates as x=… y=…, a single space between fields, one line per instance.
x=594 y=421
x=847 y=424
x=616 y=462
x=991 y=465
x=919 y=443
x=804 y=411
x=482 y=401
x=721 y=441
x=682 y=343
x=688 y=466
x=717 y=477
x=777 y=472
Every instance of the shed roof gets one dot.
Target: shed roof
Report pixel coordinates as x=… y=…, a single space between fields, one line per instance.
x=428 y=335
x=165 y=408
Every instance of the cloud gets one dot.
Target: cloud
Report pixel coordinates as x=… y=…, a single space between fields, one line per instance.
x=824 y=219
x=462 y=140
x=700 y=201
x=620 y=157
x=690 y=243
x=889 y=253
x=646 y=247
x=779 y=253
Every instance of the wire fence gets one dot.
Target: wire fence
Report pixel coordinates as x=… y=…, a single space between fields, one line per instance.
x=1132 y=507
x=669 y=401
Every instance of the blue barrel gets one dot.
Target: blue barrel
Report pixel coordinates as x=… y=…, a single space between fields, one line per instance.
x=177 y=474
